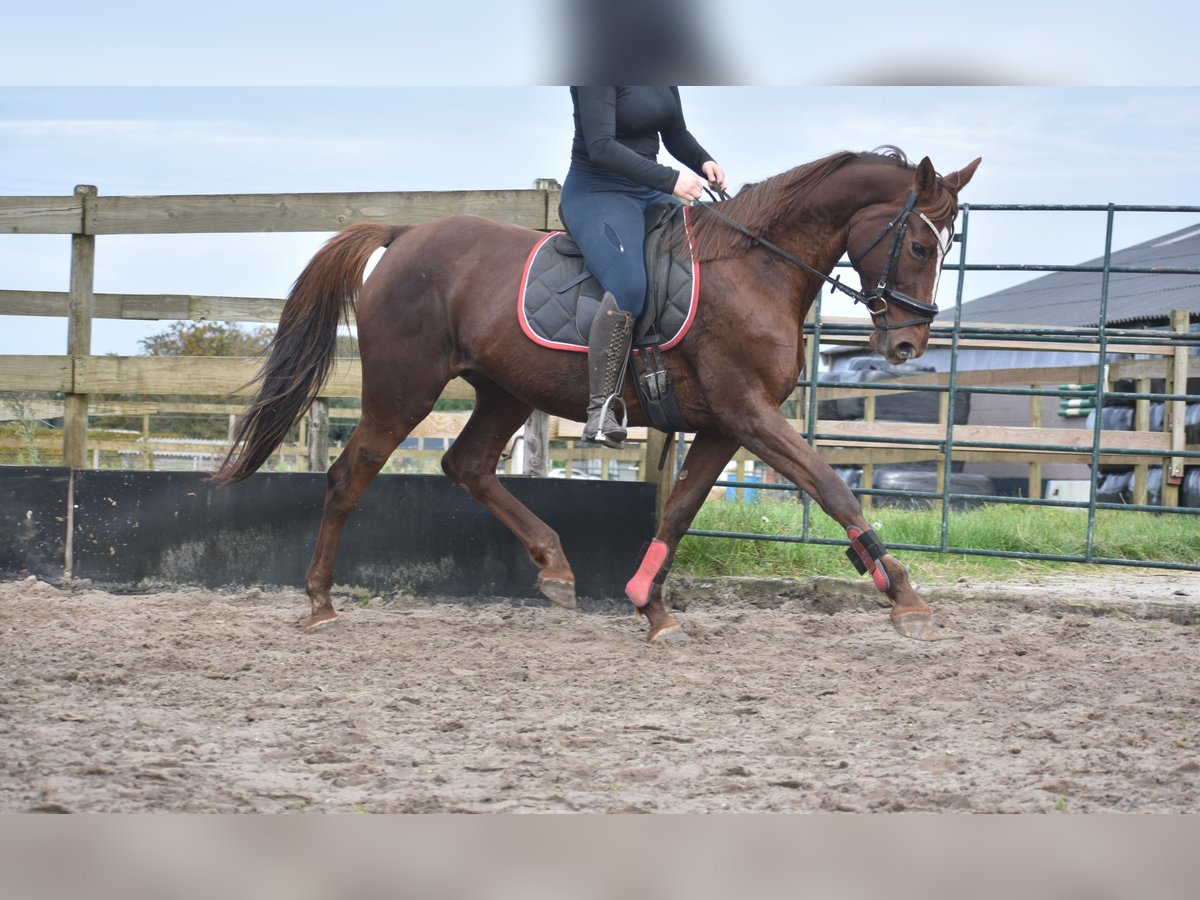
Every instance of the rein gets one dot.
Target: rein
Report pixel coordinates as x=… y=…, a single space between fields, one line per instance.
x=882 y=297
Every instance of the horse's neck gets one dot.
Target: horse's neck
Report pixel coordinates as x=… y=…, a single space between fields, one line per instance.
x=818 y=229
x=815 y=234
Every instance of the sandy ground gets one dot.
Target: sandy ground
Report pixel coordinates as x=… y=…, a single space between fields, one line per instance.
x=1054 y=695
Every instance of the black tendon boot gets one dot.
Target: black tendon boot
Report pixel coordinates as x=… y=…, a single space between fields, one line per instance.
x=608 y=352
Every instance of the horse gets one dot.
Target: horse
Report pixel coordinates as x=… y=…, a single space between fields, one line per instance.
x=436 y=306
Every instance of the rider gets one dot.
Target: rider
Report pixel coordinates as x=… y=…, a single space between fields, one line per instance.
x=614 y=177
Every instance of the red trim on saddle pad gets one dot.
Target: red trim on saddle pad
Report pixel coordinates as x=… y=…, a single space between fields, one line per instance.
x=691 y=316
x=542 y=341
x=525 y=326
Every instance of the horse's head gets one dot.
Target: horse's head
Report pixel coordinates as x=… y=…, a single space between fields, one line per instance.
x=898 y=248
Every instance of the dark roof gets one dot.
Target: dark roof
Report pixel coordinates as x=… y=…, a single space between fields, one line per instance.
x=1073 y=298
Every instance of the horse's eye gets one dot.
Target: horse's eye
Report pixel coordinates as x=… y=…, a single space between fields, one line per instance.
x=920 y=251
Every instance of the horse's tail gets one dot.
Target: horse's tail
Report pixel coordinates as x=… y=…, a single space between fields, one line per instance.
x=302 y=351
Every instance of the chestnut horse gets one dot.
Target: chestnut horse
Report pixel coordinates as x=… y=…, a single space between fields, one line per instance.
x=440 y=303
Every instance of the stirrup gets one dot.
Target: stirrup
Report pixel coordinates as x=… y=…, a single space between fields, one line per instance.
x=600 y=437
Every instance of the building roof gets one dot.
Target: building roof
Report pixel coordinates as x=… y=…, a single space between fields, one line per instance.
x=1073 y=298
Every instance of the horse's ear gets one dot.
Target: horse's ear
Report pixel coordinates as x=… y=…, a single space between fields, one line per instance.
x=955 y=181
x=925 y=179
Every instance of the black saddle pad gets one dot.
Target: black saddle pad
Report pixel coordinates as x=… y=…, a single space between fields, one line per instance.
x=559 y=297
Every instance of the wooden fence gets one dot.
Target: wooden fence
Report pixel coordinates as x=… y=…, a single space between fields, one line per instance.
x=79 y=375
x=85 y=215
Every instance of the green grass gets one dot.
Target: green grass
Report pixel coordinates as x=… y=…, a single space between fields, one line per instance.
x=1017 y=529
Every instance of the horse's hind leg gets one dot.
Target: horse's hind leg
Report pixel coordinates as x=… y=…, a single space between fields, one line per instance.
x=380 y=430
x=705 y=460
x=471 y=463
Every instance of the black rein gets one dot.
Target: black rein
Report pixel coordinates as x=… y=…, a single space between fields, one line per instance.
x=876 y=302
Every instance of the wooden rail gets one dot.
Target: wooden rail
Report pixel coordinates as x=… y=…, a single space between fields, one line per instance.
x=86 y=214
x=146 y=307
x=90 y=213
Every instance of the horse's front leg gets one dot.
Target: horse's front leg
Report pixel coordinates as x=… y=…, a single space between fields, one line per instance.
x=705 y=460
x=765 y=432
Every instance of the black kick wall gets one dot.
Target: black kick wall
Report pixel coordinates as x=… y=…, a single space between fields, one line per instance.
x=419 y=534
x=33 y=521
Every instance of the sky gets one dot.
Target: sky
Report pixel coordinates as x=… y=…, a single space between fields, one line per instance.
x=232 y=98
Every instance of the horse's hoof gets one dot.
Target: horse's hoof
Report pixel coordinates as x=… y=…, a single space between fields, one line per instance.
x=917 y=625
x=560 y=593
x=670 y=634
x=319 y=621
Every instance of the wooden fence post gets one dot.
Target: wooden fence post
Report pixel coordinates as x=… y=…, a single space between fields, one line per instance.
x=945 y=473
x=867 y=479
x=147 y=453
x=1036 y=414
x=537 y=444
x=318 y=436
x=80 y=304
x=665 y=477
x=1141 y=424
x=1175 y=413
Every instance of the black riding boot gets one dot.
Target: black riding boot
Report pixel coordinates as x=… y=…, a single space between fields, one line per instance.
x=608 y=351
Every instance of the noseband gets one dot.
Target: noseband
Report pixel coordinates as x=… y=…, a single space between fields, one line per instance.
x=882 y=297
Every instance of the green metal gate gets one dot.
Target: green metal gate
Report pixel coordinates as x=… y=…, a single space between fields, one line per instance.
x=1102 y=338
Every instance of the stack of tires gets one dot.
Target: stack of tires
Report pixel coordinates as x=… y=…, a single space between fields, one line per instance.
x=919 y=406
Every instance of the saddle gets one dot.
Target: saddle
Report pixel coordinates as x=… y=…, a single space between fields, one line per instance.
x=559 y=297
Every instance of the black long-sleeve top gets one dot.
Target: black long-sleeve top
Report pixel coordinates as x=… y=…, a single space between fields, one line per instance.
x=617 y=130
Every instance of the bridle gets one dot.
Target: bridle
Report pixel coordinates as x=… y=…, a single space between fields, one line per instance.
x=883 y=296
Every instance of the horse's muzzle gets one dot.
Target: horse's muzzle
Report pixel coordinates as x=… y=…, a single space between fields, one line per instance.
x=900 y=351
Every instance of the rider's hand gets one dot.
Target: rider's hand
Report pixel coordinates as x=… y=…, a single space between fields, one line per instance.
x=715 y=175
x=689 y=186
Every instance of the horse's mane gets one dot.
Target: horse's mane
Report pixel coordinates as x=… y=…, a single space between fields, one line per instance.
x=761 y=205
